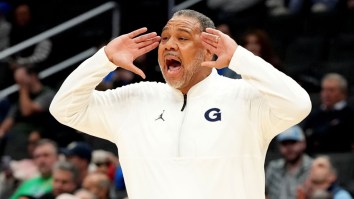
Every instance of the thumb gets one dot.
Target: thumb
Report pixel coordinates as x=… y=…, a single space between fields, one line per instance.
x=209 y=64
x=137 y=71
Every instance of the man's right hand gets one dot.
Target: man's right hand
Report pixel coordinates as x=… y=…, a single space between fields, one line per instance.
x=123 y=50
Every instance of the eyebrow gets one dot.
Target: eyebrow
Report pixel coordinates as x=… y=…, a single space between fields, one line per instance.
x=186 y=30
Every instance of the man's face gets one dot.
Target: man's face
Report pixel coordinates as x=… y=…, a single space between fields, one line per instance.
x=45 y=157
x=22 y=15
x=63 y=182
x=331 y=93
x=291 y=150
x=253 y=45
x=320 y=174
x=181 y=52
x=95 y=184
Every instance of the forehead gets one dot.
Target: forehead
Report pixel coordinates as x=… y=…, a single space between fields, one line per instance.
x=321 y=163
x=61 y=173
x=44 y=147
x=182 y=23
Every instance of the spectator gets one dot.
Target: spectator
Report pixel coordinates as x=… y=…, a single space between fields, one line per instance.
x=33 y=139
x=323 y=176
x=30 y=113
x=65 y=180
x=329 y=128
x=104 y=162
x=26 y=168
x=259 y=43
x=99 y=184
x=23 y=28
x=84 y=194
x=79 y=153
x=16 y=171
x=107 y=163
x=45 y=156
x=284 y=175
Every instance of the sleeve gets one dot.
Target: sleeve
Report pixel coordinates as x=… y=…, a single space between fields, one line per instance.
x=283 y=103
x=41 y=52
x=78 y=105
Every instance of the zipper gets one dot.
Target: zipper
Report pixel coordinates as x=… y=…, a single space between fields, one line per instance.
x=184 y=101
x=180 y=129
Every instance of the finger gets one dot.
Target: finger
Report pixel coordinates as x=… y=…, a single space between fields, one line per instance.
x=137 y=71
x=209 y=46
x=148 y=42
x=145 y=37
x=137 y=32
x=148 y=48
x=213 y=31
x=209 y=64
x=210 y=37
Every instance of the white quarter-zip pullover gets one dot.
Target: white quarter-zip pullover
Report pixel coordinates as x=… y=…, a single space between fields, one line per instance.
x=213 y=148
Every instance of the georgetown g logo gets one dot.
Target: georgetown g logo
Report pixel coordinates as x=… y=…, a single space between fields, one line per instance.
x=213 y=115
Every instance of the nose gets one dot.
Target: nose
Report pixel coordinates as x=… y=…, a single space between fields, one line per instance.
x=171 y=44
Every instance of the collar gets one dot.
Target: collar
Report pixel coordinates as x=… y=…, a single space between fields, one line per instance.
x=199 y=88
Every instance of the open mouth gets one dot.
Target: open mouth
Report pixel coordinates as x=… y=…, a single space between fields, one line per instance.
x=173 y=63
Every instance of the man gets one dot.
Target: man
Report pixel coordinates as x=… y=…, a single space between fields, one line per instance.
x=99 y=184
x=329 y=128
x=30 y=113
x=84 y=194
x=284 y=175
x=215 y=130
x=79 y=153
x=24 y=27
x=45 y=156
x=65 y=180
x=323 y=176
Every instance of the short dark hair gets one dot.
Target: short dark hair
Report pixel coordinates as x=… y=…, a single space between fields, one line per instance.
x=45 y=141
x=204 y=21
x=68 y=166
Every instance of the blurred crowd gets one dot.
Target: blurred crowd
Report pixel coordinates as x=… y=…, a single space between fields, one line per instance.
x=310 y=40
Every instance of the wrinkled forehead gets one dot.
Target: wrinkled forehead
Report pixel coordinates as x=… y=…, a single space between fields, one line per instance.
x=182 y=23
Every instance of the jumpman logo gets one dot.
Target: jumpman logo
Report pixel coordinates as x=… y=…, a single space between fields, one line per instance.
x=160 y=117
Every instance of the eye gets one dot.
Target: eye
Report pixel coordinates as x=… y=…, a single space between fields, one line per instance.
x=182 y=39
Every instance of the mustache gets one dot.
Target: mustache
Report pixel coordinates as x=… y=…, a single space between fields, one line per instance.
x=171 y=54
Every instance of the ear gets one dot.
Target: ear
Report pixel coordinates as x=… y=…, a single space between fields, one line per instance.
x=208 y=55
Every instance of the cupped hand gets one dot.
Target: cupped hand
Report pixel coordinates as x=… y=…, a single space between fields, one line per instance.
x=219 y=44
x=123 y=50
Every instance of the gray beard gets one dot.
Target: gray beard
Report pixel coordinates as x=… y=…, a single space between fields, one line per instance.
x=189 y=71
